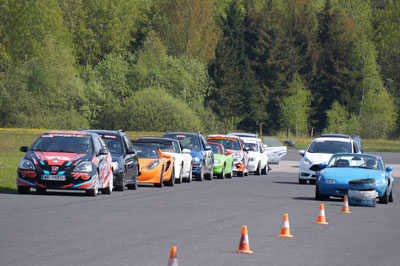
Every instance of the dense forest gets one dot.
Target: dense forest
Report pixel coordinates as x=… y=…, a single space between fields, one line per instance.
x=202 y=65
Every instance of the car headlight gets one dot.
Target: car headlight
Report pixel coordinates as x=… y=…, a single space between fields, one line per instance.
x=217 y=161
x=84 y=167
x=307 y=161
x=196 y=159
x=153 y=165
x=330 y=181
x=26 y=165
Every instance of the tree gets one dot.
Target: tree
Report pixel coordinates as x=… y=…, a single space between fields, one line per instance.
x=337 y=118
x=295 y=108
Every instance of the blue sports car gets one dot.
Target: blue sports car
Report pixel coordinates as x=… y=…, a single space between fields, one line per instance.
x=333 y=178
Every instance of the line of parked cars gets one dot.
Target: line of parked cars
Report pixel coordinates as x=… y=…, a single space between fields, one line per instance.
x=104 y=160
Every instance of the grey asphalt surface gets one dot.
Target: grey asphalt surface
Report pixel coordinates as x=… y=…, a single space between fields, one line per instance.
x=203 y=219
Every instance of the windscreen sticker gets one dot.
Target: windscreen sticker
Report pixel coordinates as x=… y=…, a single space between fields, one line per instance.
x=110 y=137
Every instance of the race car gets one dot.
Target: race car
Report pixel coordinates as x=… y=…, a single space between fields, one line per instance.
x=73 y=160
x=182 y=158
x=223 y=161
x=155 y=167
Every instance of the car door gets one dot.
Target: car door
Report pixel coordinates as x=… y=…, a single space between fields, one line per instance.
x=264 y=156
x=357 y=140
x=208 y=154
x=104 y=159
x=129 y=158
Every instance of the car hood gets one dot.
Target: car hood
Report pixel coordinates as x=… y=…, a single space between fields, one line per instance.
x=196 y=153
x=344 y=175
x=58 y=158
x=317 y=158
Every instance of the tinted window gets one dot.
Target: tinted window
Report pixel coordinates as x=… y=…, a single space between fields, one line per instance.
x=216 y=148
x=251 y=146
x=113 y=143
x=187 y=141
x=97 y=144
x=146 y=151
x=63 y=143
x=328 y=146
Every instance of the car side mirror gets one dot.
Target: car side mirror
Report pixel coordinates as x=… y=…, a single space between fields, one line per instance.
x=24 y=149
x=103 y=151
x=389 y=168
x=228 y=153
x=321 y=166
x=302 y=152
x=186 y=151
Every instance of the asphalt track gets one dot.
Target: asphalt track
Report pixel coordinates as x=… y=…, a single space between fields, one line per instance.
x=204 y=220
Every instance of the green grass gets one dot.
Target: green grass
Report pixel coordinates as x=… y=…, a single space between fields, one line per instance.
x=11 y=139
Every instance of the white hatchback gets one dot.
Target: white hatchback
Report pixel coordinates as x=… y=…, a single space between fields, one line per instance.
x=320 y=151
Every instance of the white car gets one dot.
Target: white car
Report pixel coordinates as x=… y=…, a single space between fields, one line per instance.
x=320 y=151
x=258 y=158
x=182 y=158
x=275 y=150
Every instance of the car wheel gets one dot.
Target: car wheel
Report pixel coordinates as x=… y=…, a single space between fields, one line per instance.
x=264 y=170
x=319 y=196
x=210 y=175
x=93 y=192
x=108 y=190
x=258 y=170
x=121 y=187
x=189 y=178
x=222 y=174
x=312 y=181
x=135 y=183
x=230 y=175
x=40 y=190
x=200 y=177
x=391 y=196
x=302 y=181
x=24 y=190
x=161 y=184
x=385 y=198
x=362 y=184
x=171 y=181
x=179 y=180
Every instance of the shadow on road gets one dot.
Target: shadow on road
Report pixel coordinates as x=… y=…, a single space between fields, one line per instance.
x=286 y=182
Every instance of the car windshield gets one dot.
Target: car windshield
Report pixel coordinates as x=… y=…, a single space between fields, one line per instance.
x=272 y=142
x=166 y=147
x=217 y=149
x=187 y=141
x=355 y=161
x=251 y=146
x=229 y=144
x=146 y=151
x=113 y=143
x=63 y=143
x=329 y=146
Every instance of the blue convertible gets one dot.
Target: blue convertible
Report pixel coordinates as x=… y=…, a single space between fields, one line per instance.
x=333 y=179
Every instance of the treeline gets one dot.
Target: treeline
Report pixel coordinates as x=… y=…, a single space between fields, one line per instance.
x=208 y=65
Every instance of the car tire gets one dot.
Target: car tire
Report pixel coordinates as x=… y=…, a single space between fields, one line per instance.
x=200 y=176
x=319 y=196
x=391 y=196
x=40 y=190
x=179 y=180
x=230 y=175
x=385 y=198
x=222 y=174
x=121 y=187
x=93 y=192
x=264 y=171
x=210 y=175
x=312 y=181
x=108 y=190
x=189 y=178
x=362 y=184
x=302 y=181
x=171 y=181
x=258 y=170
x=135 y=183
x=161 y=184
x=24 y=190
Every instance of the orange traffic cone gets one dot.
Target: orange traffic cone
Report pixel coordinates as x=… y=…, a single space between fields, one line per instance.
x=173 y=260
x=285 y=229
x=345 y=207
x=321 y=215
x=244 y=246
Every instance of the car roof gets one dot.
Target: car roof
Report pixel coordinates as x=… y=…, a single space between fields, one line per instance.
x=105 y=132
x=335 y=136
x=252 y=140
x=245 y=135
x=76 y=132
x=224 y=137
x=181 y=133
x=332 y=138
x=155 y=140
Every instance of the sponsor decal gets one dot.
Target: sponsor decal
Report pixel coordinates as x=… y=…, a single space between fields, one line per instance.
x=110 y=137
x=26 y=173
x=77 y=175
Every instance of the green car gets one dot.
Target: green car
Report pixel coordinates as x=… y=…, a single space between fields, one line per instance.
x=222 y=161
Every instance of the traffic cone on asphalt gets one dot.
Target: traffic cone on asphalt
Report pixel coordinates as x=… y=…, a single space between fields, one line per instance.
x=345 y=207
x=173 y=260
x=285 y=229
x=321 y=215
x=244 y=246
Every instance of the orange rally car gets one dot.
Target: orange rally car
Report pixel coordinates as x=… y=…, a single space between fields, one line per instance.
x=154 y=166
